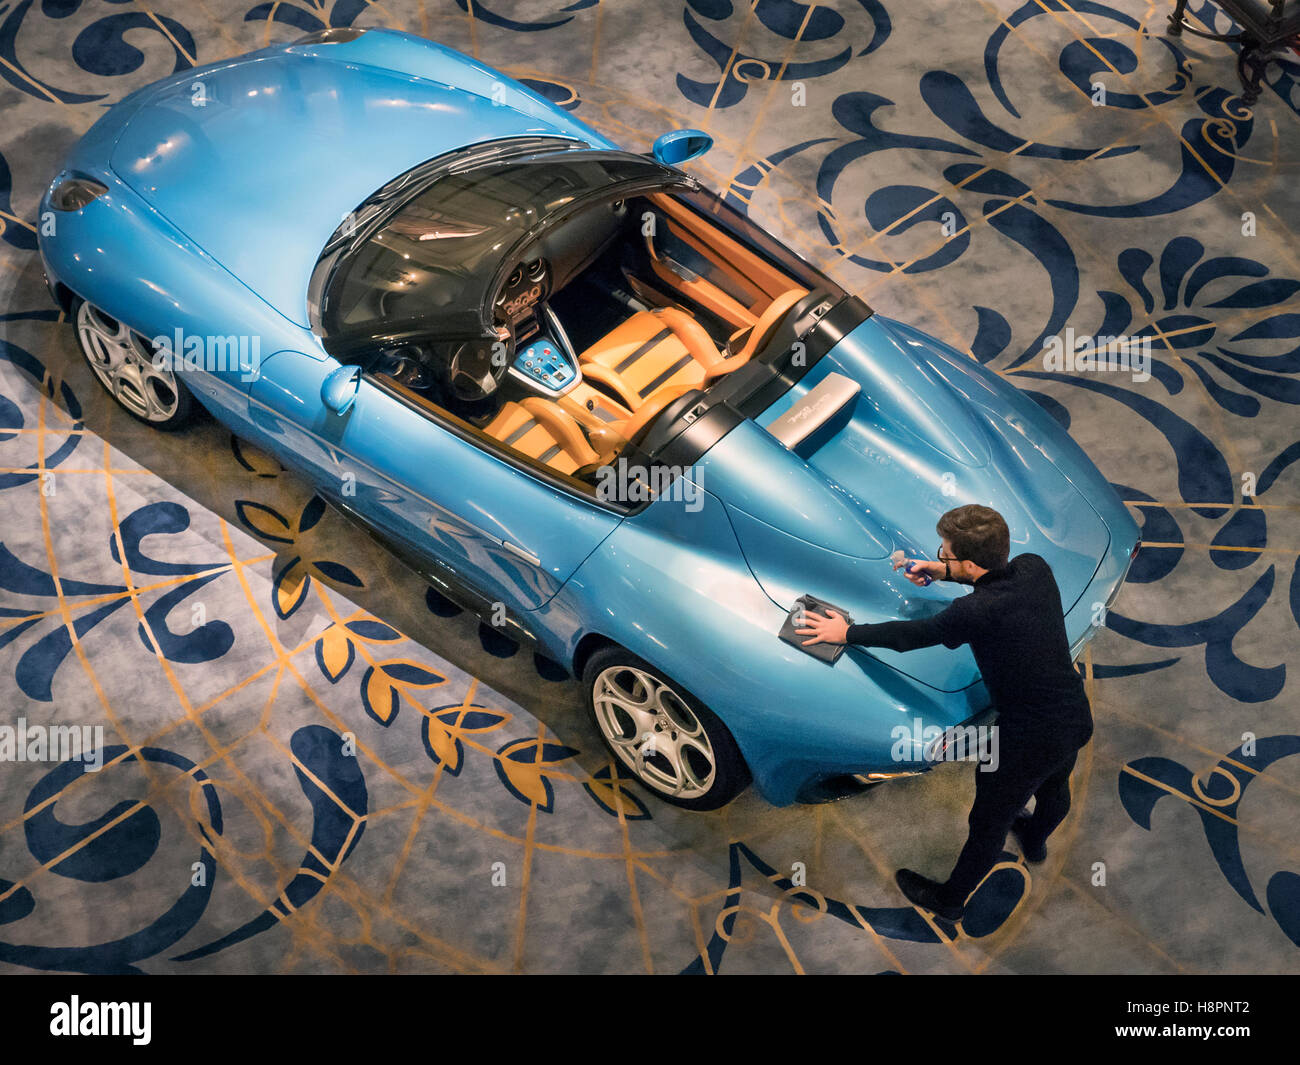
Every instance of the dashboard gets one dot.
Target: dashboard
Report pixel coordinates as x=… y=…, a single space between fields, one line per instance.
x=544 y=360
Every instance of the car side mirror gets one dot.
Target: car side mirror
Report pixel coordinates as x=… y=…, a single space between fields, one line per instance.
x=680 y=146
x=339 y=390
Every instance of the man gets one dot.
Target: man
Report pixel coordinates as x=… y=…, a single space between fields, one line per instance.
x=1015 y=625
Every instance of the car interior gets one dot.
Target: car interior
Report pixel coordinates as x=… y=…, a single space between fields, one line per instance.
x=603 y=324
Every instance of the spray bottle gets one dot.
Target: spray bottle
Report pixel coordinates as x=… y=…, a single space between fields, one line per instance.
x=898 y=557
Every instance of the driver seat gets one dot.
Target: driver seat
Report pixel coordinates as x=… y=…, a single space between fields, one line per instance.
x=667 y=348
x=541 y=430
x=662 y=348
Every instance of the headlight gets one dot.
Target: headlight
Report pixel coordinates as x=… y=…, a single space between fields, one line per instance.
x=72 y=194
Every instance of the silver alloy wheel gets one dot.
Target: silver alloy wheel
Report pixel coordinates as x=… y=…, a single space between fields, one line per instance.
x=123 y=362
x=654 y=731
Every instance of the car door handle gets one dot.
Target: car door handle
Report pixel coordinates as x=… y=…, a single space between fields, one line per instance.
x=526 y=555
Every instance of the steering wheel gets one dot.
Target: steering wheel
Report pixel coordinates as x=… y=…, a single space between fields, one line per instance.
x=477 y=367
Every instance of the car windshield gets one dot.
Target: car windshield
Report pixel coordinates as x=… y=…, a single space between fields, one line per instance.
x=437 y=254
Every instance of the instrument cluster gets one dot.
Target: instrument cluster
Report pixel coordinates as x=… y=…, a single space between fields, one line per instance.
x=526 y=287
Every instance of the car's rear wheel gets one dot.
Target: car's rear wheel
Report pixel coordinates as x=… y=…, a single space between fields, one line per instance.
x=123 y=362
x=671 y=742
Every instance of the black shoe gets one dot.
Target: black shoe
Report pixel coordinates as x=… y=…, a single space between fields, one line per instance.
x=924 y=892
x=1032 y=854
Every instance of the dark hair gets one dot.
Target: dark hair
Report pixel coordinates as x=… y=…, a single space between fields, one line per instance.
x=977 y=534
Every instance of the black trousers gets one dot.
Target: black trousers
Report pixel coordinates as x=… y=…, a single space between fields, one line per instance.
x=1032 y=763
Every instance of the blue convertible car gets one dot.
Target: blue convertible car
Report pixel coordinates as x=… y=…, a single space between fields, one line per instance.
x=576 y=391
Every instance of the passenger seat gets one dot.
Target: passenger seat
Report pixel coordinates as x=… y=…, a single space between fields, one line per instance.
x=542 y=431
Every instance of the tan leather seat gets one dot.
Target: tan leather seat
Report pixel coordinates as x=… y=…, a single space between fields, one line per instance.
x=541 y=430
x=651 y=350
x=758 y=334
x=667 y=348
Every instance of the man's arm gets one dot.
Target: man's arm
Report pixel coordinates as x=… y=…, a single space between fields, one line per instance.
x=950 y=627
x=898 y=635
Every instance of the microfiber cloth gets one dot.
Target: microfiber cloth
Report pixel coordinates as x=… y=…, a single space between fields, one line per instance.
x=807 y=604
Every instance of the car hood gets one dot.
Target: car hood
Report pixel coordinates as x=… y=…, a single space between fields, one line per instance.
x=258 y=160
x=918 y=440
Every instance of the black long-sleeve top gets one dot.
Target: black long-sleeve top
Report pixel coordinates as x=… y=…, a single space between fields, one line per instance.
x=1014 y=623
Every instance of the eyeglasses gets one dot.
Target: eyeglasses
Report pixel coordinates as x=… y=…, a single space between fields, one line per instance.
x=947 y=561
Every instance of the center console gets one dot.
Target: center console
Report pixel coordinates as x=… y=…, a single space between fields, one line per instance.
x=544 y=358
x=543 y=364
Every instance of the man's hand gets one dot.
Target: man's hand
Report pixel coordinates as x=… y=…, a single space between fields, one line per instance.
x=934 y=569
x=830 y=629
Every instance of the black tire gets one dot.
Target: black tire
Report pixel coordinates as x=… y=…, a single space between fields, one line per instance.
x=143 y=390
x=611 y=670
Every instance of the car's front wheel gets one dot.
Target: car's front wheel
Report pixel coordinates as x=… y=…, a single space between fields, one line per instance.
x=670 y=741
x=124 y=364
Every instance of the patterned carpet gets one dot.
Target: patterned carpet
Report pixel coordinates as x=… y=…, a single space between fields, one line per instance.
x=953 y=163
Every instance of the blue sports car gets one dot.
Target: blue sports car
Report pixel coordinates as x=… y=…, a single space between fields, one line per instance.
x=576 y=391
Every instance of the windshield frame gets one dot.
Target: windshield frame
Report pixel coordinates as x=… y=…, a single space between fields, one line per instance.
x=378 y=211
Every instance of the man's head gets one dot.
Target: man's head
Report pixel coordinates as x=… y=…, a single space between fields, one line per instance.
x=975 y=540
